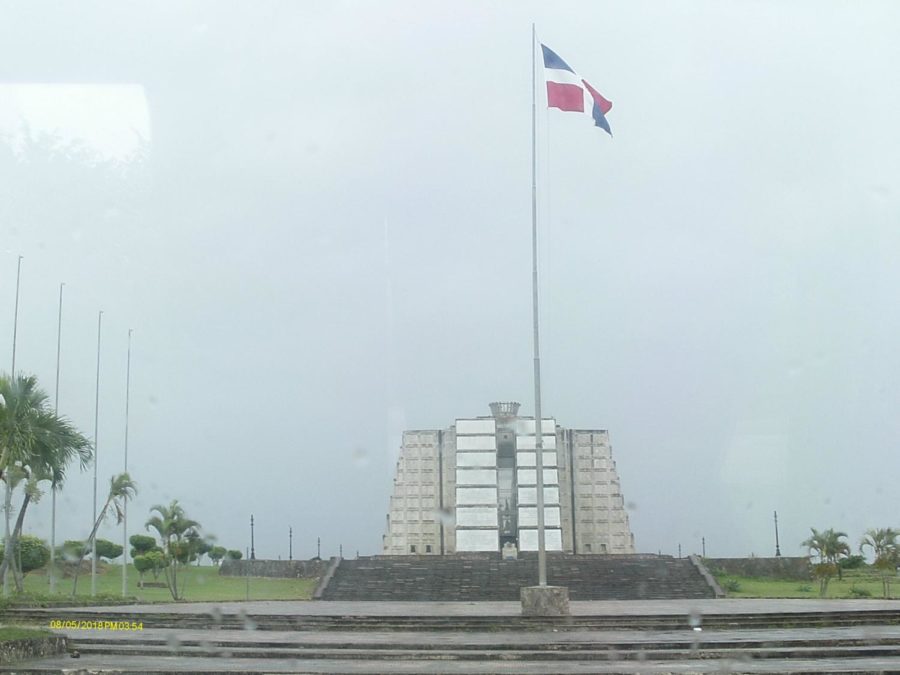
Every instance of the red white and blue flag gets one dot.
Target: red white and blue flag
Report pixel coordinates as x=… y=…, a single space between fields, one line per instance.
x=567 y=91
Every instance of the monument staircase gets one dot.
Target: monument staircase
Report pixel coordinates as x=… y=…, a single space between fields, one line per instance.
x=479 y=577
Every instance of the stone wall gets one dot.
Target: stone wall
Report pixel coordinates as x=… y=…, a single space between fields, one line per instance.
x=281 y=569
x=796 y=569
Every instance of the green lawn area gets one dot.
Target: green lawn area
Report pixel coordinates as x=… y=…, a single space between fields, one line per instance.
x=202 y=584
x=8 y=633
x=854 y=584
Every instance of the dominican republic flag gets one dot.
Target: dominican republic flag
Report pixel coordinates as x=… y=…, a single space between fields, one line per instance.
x=567 y=91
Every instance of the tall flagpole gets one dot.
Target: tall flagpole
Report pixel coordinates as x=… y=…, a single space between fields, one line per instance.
x=7 y=500
x=538 y=421
x=96 y=460
x=125 y=505
x=16 y=317
x=54 y=486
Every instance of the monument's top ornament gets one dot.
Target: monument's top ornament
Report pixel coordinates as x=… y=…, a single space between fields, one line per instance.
x=504 y=409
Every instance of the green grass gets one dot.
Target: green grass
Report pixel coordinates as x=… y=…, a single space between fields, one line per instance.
x=9 y=633
x=202 y=584
x=853 y=582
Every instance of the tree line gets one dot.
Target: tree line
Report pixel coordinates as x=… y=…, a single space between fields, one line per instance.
x=833 y=555
x=37 y=446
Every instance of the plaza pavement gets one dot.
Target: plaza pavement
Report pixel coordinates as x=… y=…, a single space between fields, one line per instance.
x=462 y=609
x=836 y=649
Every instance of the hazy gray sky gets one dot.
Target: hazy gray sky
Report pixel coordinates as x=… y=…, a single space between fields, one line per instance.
x=329 y=241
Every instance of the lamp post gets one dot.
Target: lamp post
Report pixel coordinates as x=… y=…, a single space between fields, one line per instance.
x=252 y=547
x=777 y=547
x=7 y=501
x=96 y=456
x=53 y=486
x=290 y=543
x=125 y=505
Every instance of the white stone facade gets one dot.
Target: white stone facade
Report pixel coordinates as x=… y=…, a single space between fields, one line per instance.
x=473 y=487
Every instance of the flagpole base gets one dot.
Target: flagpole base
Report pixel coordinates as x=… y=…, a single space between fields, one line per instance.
x=545 y=601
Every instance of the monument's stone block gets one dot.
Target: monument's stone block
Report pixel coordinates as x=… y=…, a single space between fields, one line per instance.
x=545 y=601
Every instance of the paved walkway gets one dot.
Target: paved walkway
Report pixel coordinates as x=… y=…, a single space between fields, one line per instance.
x=858 y=649
x=174 y=664
x=453 y=639
x=584 y=608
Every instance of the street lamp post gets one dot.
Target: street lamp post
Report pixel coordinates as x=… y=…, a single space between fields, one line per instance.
x=252 y=547
x=96 y=456
x=7 y=501
x=777 y=547
x=290 y=543
x=53 y=486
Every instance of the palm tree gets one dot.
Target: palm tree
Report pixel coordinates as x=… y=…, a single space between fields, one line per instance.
x=121 y=489
x=829 y=548
x=886 y=550
x=32 y=434
x=176 y=531
x=47 y=462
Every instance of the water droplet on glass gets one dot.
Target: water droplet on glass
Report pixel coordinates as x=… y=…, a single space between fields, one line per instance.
x=742 y=660
x=631 y=506
x=695 y=619
x=727 y=665
x=173 y=642
x=444 y=516
x=249 y=624
x=360 y=457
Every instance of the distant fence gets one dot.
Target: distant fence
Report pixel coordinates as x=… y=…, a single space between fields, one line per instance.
x=795 y=569
x=281 y=569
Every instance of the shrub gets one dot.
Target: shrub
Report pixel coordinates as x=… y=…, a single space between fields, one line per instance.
x=804 y=588
x=107 y=549
x=73 y=550
x=141 y=544
x=234 y=554
x=860 y=593
x=142 y=564
x=216 y=553
x=158 y=561
x=852 y=562
x=33 y=553
x=732 y=585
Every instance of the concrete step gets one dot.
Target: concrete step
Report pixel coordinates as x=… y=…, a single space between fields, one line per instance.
x=482 y=655
x=471 y=623
x=452 y=578
x=101 y=664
